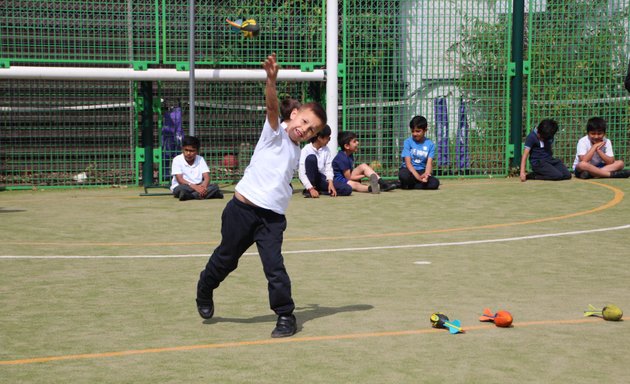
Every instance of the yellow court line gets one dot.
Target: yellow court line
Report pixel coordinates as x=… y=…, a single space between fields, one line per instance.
x=617 y=198
x=279 y=341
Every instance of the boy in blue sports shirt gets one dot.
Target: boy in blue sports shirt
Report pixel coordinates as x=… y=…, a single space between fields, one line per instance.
x=256 y=213
x=417 y=155
x=538 y=148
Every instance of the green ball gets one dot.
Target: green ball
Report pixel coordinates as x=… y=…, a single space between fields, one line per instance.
x=611 y=312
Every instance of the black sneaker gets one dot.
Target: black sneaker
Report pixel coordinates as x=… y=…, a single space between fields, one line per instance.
x=530 y=176
x=306 y=194
x=622 y=174
x=584 y=175
x=205 y=308
x=285 y=327
x=386 y=186
x=374 y=184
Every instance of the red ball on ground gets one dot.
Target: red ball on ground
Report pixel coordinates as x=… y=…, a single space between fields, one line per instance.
x=503 y=319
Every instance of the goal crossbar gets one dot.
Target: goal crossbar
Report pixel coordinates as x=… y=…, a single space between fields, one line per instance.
x=156 y=74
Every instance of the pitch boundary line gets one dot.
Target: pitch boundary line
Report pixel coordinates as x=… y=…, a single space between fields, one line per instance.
x=618 y=197
x=355 y=336
x=330 y=250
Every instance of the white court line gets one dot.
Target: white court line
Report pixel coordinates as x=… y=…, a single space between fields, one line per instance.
x=457 y=243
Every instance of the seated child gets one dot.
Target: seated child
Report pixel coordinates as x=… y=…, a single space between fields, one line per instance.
x=595 y=157
x=344 y=171
x=417 y=155
x=315 y=169
x=191 y=176
x=538 y=147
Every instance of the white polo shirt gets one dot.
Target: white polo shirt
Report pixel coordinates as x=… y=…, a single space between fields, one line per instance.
x=584 y=145
x=191 y=173
x=267 y=179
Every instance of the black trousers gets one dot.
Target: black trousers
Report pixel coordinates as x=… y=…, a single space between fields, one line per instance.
x=407 y=181
x=551 y=169
x=241 y=226
x=189 y=194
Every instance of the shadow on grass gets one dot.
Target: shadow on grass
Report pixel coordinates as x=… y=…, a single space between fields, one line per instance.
x=5 y=210
x=303 y=314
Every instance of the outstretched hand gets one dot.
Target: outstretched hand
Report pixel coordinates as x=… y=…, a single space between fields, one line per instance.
x=271 y=94
x=271 y=67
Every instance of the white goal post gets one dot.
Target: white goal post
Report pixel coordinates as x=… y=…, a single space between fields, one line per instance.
x=156 y=74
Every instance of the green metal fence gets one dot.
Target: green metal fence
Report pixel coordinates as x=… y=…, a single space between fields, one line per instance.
x=449 y=60
x=407 y=58
x=55 y=133
x=228 y=120
x=578 y=55
x=295 y=30
x=68 y=31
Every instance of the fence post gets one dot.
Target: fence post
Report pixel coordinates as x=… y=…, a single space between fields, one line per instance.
x=516 y=83
x=146 y=91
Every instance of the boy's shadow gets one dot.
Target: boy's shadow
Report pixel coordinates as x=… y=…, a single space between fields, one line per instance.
x=6 y=210
x=303 y=314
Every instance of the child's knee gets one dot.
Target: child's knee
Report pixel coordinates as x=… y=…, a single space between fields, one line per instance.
x=344 y=190
x=310 y=160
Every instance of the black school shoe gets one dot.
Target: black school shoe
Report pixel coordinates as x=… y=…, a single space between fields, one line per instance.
x=205 y=308
x=285 y=327
x=622 y=174
x=583 y=175
x=385 y=186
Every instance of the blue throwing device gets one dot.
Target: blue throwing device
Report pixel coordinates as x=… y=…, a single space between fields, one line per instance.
x=454 y=326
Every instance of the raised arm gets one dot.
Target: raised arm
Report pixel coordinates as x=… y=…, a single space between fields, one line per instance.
x=271 y=95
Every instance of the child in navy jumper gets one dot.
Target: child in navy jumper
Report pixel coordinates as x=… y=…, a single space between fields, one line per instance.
x=346 y=173
x=256 y=213
x=539 y=150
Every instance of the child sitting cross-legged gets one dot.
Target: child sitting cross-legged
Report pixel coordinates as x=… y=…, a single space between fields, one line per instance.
x=191 y=176
x=595 y=157
x=417 y=158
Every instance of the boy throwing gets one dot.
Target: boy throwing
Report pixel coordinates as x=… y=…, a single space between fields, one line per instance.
x=256 y=213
